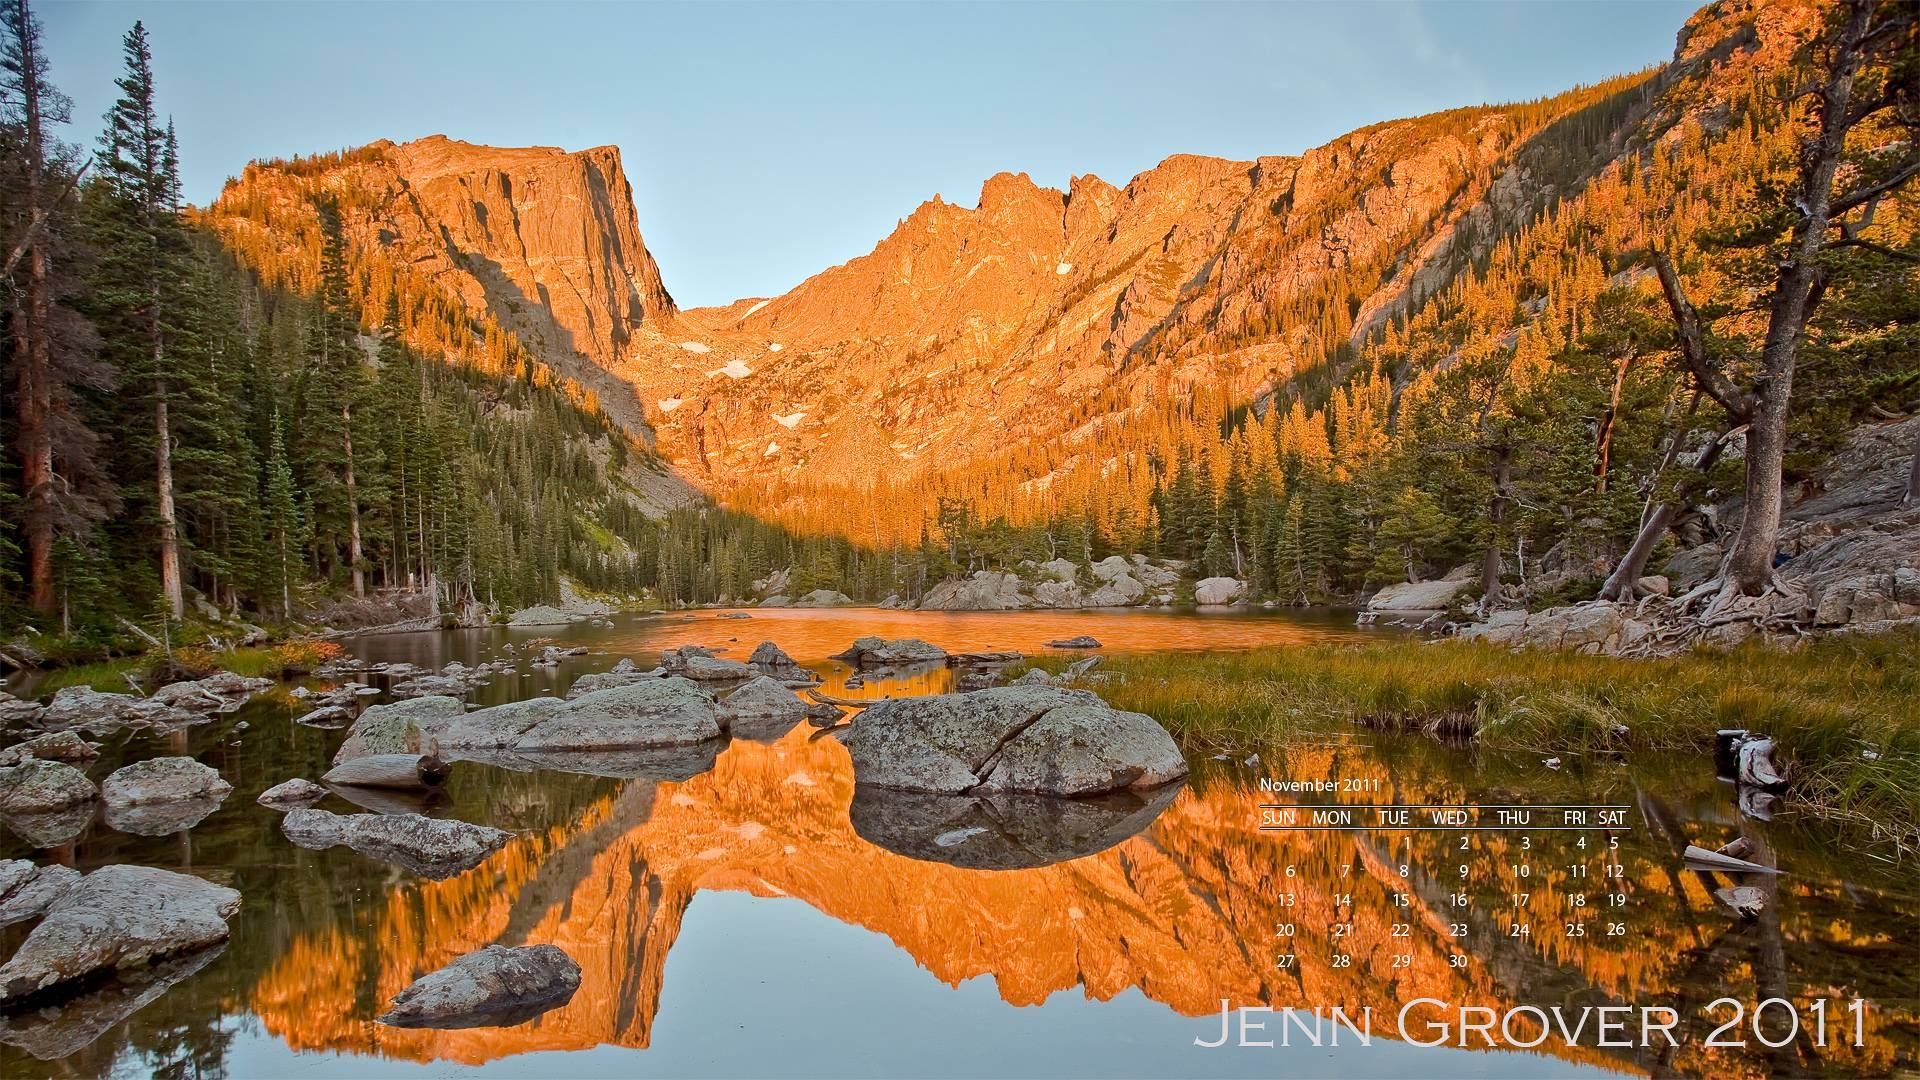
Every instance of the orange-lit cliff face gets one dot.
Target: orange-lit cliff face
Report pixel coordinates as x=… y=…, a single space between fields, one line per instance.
x=1184 y=912
x=544 y=243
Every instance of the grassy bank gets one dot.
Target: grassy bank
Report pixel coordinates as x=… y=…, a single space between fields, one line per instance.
x=1846 y=711
x=130 y=674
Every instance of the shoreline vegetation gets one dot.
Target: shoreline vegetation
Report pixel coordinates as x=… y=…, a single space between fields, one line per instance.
x=1845 y=709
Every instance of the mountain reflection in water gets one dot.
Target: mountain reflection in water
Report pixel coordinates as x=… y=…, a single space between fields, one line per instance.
x=1173 y=911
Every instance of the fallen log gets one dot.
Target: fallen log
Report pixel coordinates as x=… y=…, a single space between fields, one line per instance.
x=407 y=772
x=1699 y=858
x=845 y=703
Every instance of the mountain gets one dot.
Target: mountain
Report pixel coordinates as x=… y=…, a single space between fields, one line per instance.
x=543 y=243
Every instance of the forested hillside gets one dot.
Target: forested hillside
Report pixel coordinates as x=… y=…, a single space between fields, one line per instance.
x=188 y=433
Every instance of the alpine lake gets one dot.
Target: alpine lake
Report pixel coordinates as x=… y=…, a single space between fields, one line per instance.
x=739 y=918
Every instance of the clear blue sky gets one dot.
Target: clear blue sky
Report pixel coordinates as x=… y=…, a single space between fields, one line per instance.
x=768 y=142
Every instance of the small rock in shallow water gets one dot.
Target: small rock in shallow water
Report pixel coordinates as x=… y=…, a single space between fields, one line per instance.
x=117 y=917
x=492 y=987
x=292 y=794
x=64 y=746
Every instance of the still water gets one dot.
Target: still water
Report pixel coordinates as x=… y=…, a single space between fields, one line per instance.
x=735 y=922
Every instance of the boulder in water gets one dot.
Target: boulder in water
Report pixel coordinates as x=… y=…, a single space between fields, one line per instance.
x=64 y=746
x=435 y=848
x=1002 y=832
x=871 y=652
x=291 y=794
x=1011 y=739
x=399 y=727
x=37 y=787
x=117 y=917
x=491 y=987
x=165 y=779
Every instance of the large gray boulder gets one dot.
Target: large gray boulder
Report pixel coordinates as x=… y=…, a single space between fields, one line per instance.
x=166 y=779
x=654 y=712
x=27 y=891
x=1421 y=596
x=821 y=598
x=983 y=590
x=117 y=917
x=762 y=709
x=221 y=692
x=37 y=787
x=435 y=848
x=1011 y=739
x=491 y=987
x=82 y=708
x=399 y=727
x=1217 y=591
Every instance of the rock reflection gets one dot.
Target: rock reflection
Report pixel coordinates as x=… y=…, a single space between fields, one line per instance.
x=159 y=818
x=57 y=1031
x=1003 y=832
x=52 y=829
x=1184 y=911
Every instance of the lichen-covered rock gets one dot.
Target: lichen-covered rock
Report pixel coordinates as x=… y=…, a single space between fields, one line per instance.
x=624 y=673
x=35 y=786
x=492 y=987
x=291 y=794
x=223 y=691
x=82 y=708
x=166 y=779
x=27 y=891
x=117 y=917
x=1013 y=739
x=399 y=727
x=651 y=713
x=435 y=848
x=65 y=746
x=761 y=709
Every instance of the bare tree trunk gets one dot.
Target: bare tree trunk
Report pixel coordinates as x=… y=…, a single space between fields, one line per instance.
x=1620 y=585
x=1496 y=517
x=31 y=343
x=1604 y=438
x=353 y=507
x=163 y=485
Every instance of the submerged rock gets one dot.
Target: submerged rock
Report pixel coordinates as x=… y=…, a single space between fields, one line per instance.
x=166 y=779
x=1003 y=832
x=491 y=987
x=27 y=891
x=293 y=793
x=117 y=917
x=435 y=848
x=1011 y=739
x=1081 y=642
x=36 y=787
